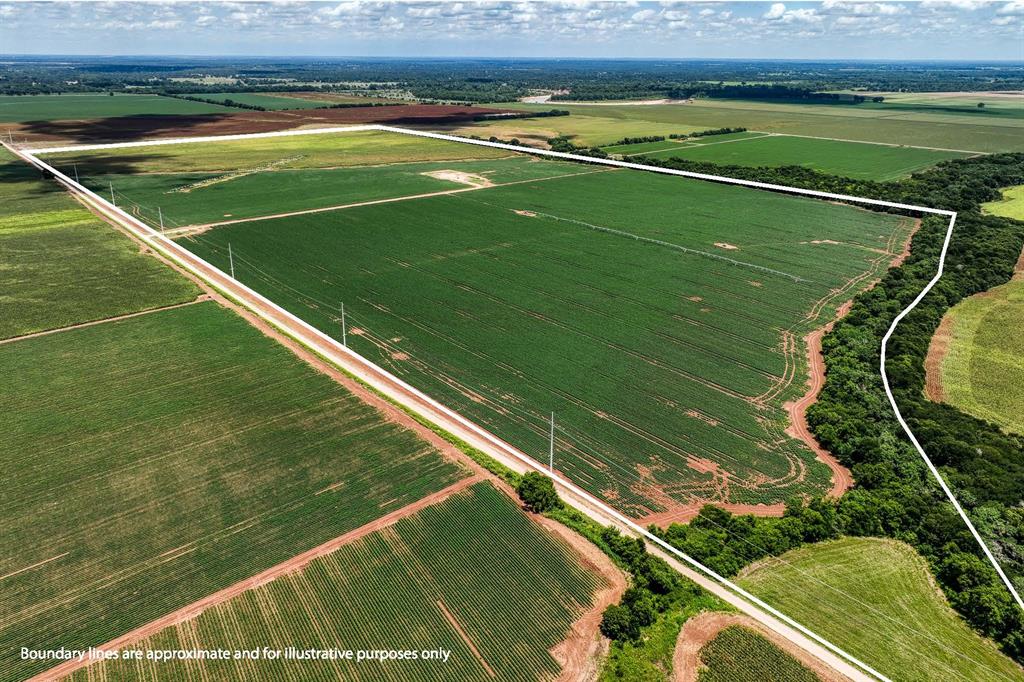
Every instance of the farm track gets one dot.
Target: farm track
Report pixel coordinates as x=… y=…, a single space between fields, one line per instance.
x=296 y=563
x=192 y=230
x=91 y=323
x=440 y=416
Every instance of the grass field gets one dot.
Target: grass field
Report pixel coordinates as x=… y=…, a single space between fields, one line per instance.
x=60 y=265
x=22 y=108
x=261 y=99
x=670 y=144
x=604 y=124
x=289 y=152
x=850 y=159
x=741 y=655
x=1010 y=206
x=876 y=599
x=155 y=460
x=209 y=197
x=983 y=370
x=614 y=299
x=390 y=590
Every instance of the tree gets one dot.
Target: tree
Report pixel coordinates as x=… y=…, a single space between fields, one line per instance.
x=981 y=105
x=618 y=624
x=537 y=492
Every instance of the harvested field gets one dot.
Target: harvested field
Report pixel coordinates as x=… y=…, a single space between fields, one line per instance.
x=62 y=265
x=499 y=617
x=587 y=295
x=995 y=131
x=121 y=128
x=877 y=600
x=183 y=453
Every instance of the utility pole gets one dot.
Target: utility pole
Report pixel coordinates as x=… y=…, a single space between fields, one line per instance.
x=551 y=447
x=161 y=214
x=112 y=199
x=344 y=338
x=76 y=173
x=231 y=261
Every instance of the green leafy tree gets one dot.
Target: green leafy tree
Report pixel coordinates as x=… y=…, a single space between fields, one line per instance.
x=538 y=492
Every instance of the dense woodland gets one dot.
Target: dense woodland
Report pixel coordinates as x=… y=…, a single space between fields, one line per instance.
x=895 y=495
x=500 y=80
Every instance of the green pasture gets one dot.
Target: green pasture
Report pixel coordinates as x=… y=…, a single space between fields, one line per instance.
x=660 y=348
x=741 y=655
x=277 y=191
x=605 y=124
x=287 y=152
x=850 y=159
x=22 y=108
x=1011 y=205
x=876 y=599
x=387 y=591
x=153 y=461
x=261 y=99
x=983 y=370
x=60 y=265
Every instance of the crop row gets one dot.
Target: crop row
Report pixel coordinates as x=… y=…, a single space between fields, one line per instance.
x=512 y=589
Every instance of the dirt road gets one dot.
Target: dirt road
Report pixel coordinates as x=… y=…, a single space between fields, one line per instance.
x=449 y=421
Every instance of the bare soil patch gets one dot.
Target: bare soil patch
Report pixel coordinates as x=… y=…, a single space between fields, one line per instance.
x=726 y=246
x=938 y=347
x=471 y=179
x=704 y=627
x=122 y=128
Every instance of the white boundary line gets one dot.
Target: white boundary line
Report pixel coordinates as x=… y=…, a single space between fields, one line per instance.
x=169 y=248
x=232 y=287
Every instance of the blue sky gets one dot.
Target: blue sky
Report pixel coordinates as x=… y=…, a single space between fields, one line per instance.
x=931 y=29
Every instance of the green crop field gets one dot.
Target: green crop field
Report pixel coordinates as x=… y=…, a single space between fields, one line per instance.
x=670 y=144
x=192 y=198
x=390 y=590
x=658 y=317
x=155 y=460
x=741 y=655
x=850 y=159
x=261 y=99
x=604 y=124
x=23 y=108
x=983 y=370
x=1010 y=206
x=61 y=265
x=288 y=152
x=876 y=599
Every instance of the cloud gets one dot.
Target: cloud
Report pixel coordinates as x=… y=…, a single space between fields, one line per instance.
x=1015 y=7
x=776 y=11
x=968 y=5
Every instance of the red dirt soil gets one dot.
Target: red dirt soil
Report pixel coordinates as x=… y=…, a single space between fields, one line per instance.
x=704 y=627
x=121 y=128
x=292 y=565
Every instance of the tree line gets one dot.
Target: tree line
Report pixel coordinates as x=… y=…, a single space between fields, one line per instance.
x=895 y=495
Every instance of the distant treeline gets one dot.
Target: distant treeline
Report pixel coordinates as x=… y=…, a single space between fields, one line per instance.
x=228 y=102
x=521 y=114
x=675 y=136
x=495 y=80
x=895 y=494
